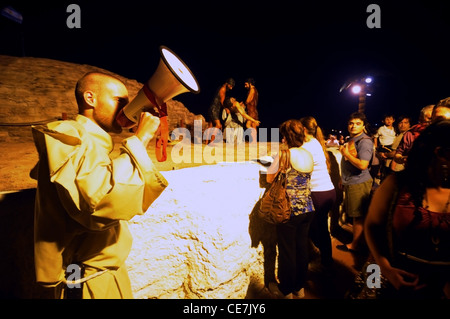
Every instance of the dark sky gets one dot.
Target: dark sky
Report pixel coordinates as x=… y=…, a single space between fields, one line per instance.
x=299 y=53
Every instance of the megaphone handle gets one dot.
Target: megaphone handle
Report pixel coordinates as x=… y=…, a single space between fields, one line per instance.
x=162 y=109
x=161 y=143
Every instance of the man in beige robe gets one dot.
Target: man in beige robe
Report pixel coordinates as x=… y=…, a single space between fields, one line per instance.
x=84 y=198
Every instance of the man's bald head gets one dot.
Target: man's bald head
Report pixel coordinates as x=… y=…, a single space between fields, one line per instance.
x=100 y=97
x=91 y=81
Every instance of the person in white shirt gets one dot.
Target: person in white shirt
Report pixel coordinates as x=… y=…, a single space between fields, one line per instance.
x=323 y=192
x=332 y=141
x=385 y=135
x=383 y=143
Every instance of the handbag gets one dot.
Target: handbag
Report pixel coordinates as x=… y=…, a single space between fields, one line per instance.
x=275 y=206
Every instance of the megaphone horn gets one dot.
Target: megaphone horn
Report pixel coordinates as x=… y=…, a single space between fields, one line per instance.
x=171 y=78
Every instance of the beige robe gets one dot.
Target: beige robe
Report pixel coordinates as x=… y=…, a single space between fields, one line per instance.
x=83 y=202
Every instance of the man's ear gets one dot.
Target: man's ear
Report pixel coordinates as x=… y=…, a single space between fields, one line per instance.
x=90 y=98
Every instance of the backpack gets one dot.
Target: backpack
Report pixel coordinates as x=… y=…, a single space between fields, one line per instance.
x=275 y=206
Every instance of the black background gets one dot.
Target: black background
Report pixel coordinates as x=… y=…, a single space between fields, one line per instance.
x=299 y=53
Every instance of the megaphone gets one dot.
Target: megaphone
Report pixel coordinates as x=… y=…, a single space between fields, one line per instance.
x=171 y=78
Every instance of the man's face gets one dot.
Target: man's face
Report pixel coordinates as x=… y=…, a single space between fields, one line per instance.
x=247 y=85
x=404 y=125
x=229 y=87
x=355 y=127
x=388 y=121
x=110 y=99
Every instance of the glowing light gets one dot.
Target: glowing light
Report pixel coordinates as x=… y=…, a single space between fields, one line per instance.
x=368 y=80
x=356 y=89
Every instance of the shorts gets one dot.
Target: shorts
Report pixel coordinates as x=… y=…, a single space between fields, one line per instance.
x=357 y=198
x=214 y=112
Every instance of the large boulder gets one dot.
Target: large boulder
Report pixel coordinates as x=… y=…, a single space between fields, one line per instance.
x=195 y=240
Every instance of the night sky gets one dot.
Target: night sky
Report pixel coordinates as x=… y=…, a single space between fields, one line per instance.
x=299 y=53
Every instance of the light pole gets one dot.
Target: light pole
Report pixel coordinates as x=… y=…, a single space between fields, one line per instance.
x=360 y=87
x=359 y=90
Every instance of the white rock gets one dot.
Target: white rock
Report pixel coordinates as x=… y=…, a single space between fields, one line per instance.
x=194 y=241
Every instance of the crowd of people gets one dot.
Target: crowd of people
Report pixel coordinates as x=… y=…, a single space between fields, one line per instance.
x=403 y=222
x=399 y=212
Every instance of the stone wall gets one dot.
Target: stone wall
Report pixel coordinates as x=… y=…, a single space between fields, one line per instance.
x=199 y=239
x=40 y=90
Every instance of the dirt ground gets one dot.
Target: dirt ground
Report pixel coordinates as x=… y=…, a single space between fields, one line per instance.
x=18 y=158
x=16 y=161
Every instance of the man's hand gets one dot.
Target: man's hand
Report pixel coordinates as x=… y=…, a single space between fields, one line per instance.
x=348 y=149
x=400 y=159
x=217 y=124
x=344 y=150
x=382 y=155
x=147 y=127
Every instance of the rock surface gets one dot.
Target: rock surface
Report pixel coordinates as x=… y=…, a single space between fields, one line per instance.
x=194 y=241
x=40 y=90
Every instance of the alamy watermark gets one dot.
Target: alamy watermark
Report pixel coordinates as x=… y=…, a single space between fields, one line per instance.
x=374 y=279
x=214 y=151
x=74 y=276
x=374 y=19
x=73 y=21
x=73 y=273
